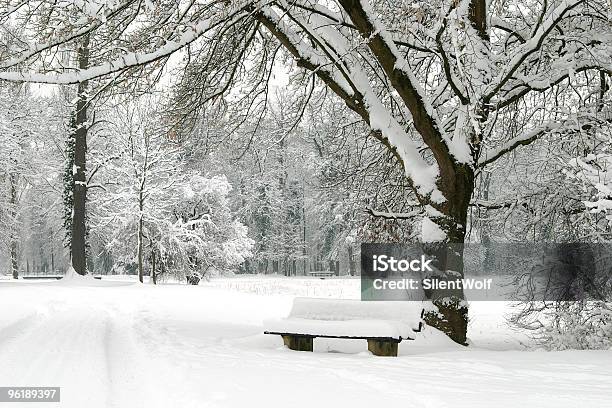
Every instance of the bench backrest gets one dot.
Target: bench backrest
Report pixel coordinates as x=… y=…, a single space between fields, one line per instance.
x=345 y=309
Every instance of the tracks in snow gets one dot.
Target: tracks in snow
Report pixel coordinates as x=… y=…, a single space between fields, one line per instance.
x=91 y=351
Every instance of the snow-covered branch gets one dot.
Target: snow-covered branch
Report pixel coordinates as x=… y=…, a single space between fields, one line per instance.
x=123 y=62
x=353 y=86
x=531 y=46
x=400 y=75
x=394 y=215
x=523 y=139
x=574 y=123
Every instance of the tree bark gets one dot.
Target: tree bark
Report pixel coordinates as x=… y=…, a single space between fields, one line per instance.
x=351 y=260
x=141 y=224
x=140 y=247
x=153 y=265
x=78 y=242
x=478 y=17
x=457 y=186
x=14 y=246
x=14 y=260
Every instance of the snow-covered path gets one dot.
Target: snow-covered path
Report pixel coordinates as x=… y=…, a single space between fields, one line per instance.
x=110 y=344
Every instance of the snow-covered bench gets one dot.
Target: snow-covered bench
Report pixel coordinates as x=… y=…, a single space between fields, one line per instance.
x=322 y=274
x=383 y=324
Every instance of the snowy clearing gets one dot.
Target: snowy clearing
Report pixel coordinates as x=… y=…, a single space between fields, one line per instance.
x=121 y=344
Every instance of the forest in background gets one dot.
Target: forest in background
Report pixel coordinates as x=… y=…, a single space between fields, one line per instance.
x=179 y=139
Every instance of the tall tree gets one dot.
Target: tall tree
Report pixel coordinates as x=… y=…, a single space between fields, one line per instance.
x=431 y=86
x=79 y=127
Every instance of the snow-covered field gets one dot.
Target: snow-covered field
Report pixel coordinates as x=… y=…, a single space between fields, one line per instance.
x=120 y=344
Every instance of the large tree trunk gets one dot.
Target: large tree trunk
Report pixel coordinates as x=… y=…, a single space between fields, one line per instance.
x=14 y=260
x=351 y=260
x=78 y=242
x=457 y=185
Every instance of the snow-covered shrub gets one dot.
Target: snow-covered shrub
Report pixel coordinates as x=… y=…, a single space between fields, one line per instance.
x=155 y=214
x=221 y=242
x=577 y=325
x=194 y=236
x=585 y=323
x=566 y=298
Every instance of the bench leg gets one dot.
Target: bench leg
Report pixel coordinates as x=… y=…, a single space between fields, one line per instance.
x=382 y=348
x=298 y=343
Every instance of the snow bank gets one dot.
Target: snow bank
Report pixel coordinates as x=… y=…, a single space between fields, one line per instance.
x=71 y=278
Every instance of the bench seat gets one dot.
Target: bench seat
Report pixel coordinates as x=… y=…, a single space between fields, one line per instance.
x=383 y=324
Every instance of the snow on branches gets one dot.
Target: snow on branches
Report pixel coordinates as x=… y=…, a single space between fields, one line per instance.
x=155 y=213
x=433 y=81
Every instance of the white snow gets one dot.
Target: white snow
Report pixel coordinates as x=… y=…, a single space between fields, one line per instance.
x=430 y=231
x=348 y=309
x=119 y=344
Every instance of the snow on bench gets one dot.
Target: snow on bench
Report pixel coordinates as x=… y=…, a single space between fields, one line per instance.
x=383 y=324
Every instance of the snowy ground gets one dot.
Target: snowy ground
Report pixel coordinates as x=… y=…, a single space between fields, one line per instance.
x=119 y=344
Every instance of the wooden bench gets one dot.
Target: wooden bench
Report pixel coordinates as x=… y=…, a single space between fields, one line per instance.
x=383 y=324
x=322 y=274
